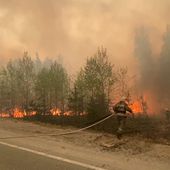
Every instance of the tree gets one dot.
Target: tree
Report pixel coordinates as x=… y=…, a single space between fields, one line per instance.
x=77 y=96
x=27 y=85
x=42 y=89
x=4 y=91
x=26 y=77
x=98 y=73
x=93 y=85
x=59 y=85
x=37 y=64
x=99 y=78
x=52 y=87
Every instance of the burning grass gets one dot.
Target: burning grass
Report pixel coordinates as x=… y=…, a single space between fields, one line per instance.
x=17 y=113
x=20 y=113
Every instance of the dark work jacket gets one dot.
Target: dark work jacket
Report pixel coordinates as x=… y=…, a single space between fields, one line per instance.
x=122 y=107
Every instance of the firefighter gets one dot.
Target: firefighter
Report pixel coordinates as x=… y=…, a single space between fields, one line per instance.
x=121 y=109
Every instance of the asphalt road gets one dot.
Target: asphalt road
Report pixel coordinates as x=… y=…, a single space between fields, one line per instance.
x=16 y=159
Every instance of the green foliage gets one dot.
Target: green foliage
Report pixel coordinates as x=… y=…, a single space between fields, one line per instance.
x=99 y=73
x=76 y=100
x=93 y=86
x=42 y=90
x=33 y=85
x=17 y=82
x=26 y=84
x=52 y=87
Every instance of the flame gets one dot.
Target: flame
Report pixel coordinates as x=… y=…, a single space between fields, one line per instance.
x=58 y=112
x=68 y=113
x=17 y=113
x=5 y=115
x=55 y=112
x=145 y=104
x=31 y=113
x=138 y=104
x=136 y=107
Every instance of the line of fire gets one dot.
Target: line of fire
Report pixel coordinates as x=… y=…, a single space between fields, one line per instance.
x=138 y=107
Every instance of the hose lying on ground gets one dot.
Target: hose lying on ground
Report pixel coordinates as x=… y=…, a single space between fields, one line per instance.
x=63 y=133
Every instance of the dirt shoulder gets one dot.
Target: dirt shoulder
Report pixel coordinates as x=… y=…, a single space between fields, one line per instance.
x=100 y=149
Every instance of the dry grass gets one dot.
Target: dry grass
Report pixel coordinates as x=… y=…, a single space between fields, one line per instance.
x=153 y=128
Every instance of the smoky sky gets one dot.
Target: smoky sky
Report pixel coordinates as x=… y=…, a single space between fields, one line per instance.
x=153 y=71
x=131 y=30
x=163 y=69
x=75 y=28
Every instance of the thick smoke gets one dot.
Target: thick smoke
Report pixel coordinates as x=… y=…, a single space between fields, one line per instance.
x=154 y=72
x=163 y=73
x=75 y=28
x=143 y=52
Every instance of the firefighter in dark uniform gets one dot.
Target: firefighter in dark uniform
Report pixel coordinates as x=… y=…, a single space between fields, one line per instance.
x=121 y=109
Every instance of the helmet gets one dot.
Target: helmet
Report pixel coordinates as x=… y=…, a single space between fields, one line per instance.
x=123 y=98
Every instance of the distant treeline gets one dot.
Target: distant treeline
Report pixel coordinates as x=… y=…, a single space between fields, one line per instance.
x=32 y=85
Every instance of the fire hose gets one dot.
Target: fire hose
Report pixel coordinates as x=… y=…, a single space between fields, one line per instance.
x=63 y=133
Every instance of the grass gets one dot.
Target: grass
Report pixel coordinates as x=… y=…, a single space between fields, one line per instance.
x=154 y=128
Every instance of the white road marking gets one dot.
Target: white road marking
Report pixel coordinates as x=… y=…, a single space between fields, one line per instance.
x=53 y=156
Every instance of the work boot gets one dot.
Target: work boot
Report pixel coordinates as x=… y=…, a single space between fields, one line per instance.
x=119 y=136
x=119 y=133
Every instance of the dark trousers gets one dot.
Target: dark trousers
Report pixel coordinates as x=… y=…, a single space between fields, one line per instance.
x=121 y=123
